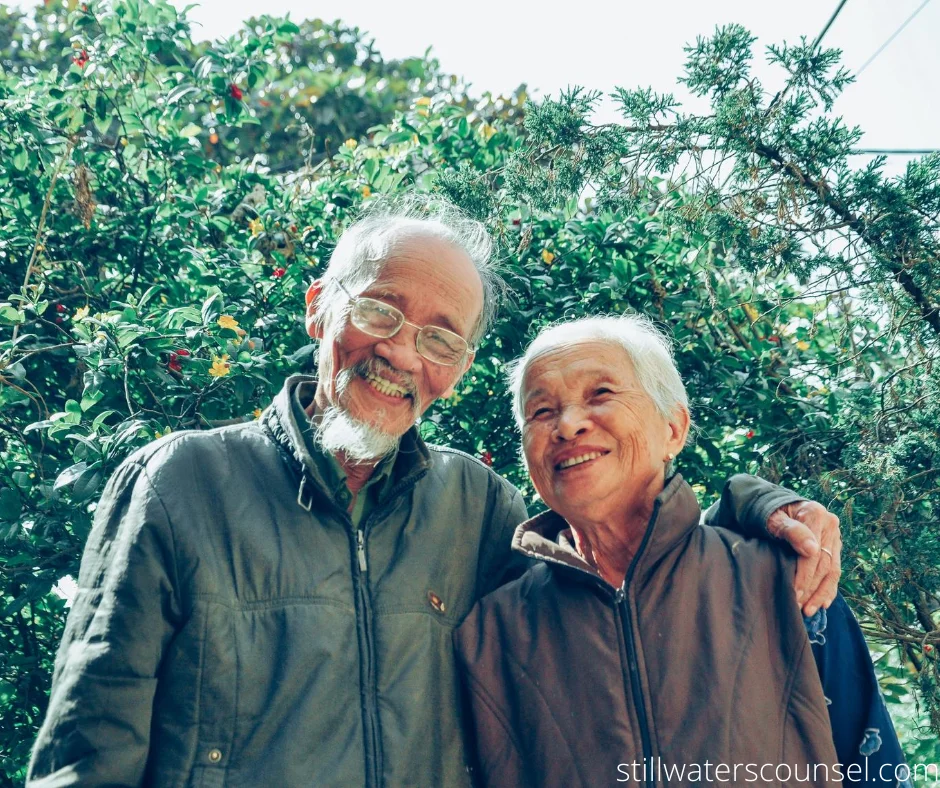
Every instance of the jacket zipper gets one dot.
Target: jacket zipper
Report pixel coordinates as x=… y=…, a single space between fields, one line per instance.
x=622 y=599
x=364 y=626
x=367 y=658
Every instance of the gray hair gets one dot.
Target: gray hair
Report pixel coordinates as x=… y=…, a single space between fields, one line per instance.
x=648 y=348
x=363 y=248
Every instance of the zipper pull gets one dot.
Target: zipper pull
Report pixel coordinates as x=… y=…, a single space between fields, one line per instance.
x=361 y=551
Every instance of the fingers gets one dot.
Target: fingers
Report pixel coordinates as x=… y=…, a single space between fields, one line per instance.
x=826 y=580
x=799 y=536
x=807 y=567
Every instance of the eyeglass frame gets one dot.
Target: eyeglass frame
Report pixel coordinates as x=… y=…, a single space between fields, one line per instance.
x=404 y=321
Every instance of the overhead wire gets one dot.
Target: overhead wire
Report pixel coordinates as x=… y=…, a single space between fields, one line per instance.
x=832 y=19
x=896 y=151
x=891 y=38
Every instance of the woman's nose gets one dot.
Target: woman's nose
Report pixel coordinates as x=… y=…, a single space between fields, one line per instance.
x=572 y=421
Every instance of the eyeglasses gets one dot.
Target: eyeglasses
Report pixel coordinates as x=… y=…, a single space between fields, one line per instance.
x=378 y=319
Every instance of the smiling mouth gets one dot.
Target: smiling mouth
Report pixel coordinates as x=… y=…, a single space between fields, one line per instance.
x=579 y=460
x=386 y=387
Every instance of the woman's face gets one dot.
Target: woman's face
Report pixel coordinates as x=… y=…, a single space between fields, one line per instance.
x=594 y=442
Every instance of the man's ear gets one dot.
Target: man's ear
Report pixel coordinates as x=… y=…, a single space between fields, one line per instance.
x=312 y=319
x=466 y=365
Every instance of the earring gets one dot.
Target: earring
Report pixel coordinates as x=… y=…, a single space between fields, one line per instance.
x=670 y=457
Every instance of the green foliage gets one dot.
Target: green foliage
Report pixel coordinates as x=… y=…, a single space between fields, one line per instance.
x=152 y=279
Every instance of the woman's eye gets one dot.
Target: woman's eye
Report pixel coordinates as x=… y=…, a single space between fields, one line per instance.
x=540 y=413
x=601 y=391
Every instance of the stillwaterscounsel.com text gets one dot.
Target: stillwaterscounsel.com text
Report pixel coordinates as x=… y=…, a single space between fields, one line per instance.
x=770 y=773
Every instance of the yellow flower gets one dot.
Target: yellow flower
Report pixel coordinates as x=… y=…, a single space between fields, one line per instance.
x=414 y=139
x=487 y=131
x=124 y=142
x=752 y=313
x=80 y=314
x=227 y=321
x=801 y=345
x=424 y=101
x=220 y=367
x=256 y=413
x=366 y=191
x=256 y=226
x=158 y=434
x=350 y=144
x=547 y=257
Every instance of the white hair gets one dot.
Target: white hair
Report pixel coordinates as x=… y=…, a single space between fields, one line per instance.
x=362 y=249
x=648 y=348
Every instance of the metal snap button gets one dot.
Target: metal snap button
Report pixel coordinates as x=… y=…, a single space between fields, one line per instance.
x=215 y=755
x=436 y=602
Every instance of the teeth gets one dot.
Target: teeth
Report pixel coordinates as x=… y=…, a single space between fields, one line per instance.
x=579 y=459
x=386 y=386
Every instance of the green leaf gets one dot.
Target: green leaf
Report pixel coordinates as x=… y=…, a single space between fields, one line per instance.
x=70 y=475
x=212 y=309
x=20 y=158
x=10 y=504
x=11 y=315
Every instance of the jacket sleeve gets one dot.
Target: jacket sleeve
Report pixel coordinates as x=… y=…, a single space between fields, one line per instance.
x=745 y=504
x=97 y=727
x=862 y=731
x=493 y=757
x=499 y=562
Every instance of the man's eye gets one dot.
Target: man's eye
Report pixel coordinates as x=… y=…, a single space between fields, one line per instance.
x=601 y=391
x=540 y=413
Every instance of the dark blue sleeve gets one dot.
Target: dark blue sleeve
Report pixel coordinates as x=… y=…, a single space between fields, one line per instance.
x=864 y=736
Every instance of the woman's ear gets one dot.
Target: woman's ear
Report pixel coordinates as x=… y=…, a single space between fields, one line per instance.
x=677 y=430
x=312 y=320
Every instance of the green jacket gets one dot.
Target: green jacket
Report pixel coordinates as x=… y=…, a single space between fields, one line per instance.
x=231 y=627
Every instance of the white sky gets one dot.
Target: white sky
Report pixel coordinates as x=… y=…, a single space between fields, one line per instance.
x=497 y=45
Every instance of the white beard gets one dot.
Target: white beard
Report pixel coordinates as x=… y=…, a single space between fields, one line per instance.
x=339 y=433
x=359 y=441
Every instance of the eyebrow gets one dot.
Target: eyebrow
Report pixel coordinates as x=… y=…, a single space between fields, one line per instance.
x=592 y=378
x=400 y=301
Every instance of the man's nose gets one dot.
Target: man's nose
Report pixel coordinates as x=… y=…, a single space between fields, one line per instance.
x=400 y=350
x=573 y=420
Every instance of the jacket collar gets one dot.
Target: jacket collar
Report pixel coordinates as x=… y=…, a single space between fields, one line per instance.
x=546 y=537
x=280 y=421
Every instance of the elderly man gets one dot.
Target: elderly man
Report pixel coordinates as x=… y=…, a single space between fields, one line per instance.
x=271 y=604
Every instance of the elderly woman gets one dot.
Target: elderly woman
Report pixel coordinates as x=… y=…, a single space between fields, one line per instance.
x=643 y=647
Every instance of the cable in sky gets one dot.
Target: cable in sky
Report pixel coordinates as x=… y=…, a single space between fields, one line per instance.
x=832 y=19
x=891 y=38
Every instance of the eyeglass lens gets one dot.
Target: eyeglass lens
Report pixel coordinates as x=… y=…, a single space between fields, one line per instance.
x=436 y=344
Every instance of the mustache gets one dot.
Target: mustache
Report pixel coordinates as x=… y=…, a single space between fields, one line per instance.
x=376 y=366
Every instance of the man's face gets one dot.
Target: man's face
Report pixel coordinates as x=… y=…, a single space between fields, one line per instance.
x=386 y=383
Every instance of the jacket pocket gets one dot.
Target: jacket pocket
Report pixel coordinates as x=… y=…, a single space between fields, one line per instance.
x=207 y=777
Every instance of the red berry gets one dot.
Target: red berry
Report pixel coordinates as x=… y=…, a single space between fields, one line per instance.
x=487 y=458
x=928 y=648
x=182 y=351
x=235 y=92
x=174 y=365
x=277 y=273
x=750 y=434
x=60 y=308
x=773 y=338
x=59 y=320
x=81 y=59
x=517 y=222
